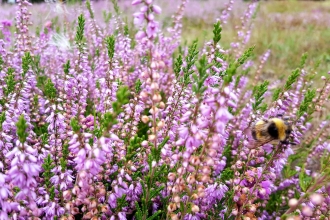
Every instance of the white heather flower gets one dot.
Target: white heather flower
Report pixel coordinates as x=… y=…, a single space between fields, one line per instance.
x=61 y=42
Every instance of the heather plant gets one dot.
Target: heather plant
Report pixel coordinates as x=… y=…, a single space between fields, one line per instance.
x=107 y=119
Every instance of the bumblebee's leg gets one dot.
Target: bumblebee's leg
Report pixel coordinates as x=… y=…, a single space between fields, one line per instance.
x=288 y=142
x=279 y=115
x=286 y=118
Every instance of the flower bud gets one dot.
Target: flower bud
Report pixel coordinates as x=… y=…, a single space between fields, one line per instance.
x=195 y=160
x=206 y=170
x=209 y=161
x=88 y=215
x=316 y=199
x=191 y=179
x=307 y=211
x=151 y=137
x=171 y=207
x=156 y=98
x=153 y=65
x=171 y=176
x=200 y=188
x=154 y=86
x=161 y=105
x=239 y=164
x=195 y=208
x=174 y=217
x=262 y=191
x=234 y=212
x=145 y=119
x=253 y=208
x=67 y=195
x=135 y=2
x=293 y=202
x=156 y=9
x=176 y=199
x=161 y=124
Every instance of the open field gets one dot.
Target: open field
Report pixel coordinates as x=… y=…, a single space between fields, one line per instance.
x=113 y=110
x=287 y=28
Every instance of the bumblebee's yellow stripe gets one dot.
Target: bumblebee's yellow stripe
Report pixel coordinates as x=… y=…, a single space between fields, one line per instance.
x=281 y=127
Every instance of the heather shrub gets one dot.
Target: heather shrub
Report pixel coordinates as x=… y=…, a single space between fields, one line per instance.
x=101 y=119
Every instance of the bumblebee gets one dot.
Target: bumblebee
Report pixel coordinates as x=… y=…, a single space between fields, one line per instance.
x=265 y=131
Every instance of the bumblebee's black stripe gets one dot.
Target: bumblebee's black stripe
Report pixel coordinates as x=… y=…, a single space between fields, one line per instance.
x=254 y=134
x=272 y=130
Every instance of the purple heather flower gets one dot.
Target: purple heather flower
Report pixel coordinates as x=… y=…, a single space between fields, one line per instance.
x=135 y=2
x=152 y=29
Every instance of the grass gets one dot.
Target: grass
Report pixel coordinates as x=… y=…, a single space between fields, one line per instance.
x=287 y=28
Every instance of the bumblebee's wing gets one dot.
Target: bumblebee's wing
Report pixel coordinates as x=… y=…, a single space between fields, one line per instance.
x=260 y=133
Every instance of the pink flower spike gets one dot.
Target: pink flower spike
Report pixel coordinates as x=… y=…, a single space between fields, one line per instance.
x=156 y=9
x=152 y=29
x=136 y=2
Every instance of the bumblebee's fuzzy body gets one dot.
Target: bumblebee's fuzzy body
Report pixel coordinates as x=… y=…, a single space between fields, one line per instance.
x=264 y=131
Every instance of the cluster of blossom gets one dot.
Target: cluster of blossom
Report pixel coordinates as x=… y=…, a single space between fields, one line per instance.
x=108 y=121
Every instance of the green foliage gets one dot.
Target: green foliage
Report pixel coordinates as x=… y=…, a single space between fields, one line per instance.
x=134 y=144
x=147 y=195
x=115 y=6
x=275 y=202
x=21 y=127
x=50 y=90
x=305 y=106
x=226 y=174
x=292 y=79
x=64 y=158
x=126 y=30
x=190 y=62
x=109 y=119
x=276 y=94
x=122 y=99
x=303 y=60
x=155 y=152
x=305 y=181
x=198 y=86
x=232 y=68
x=288 y=85
x=41 y=129
x=2 y=118
x=10 y=82
x=79 y=38
x=89 y=107
x=26 y=61
x=121 y=202
x=288 y=171
x=217 y=33
x=75 y=125
x=1 y=63
x=138 y=85
x=178 y=66
x=325 y=169
x=66 y=67
x=52 y=193
x=48 y=165
x=89 y=7
x=258 y=93
x=245 y=56
x=110 y=41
